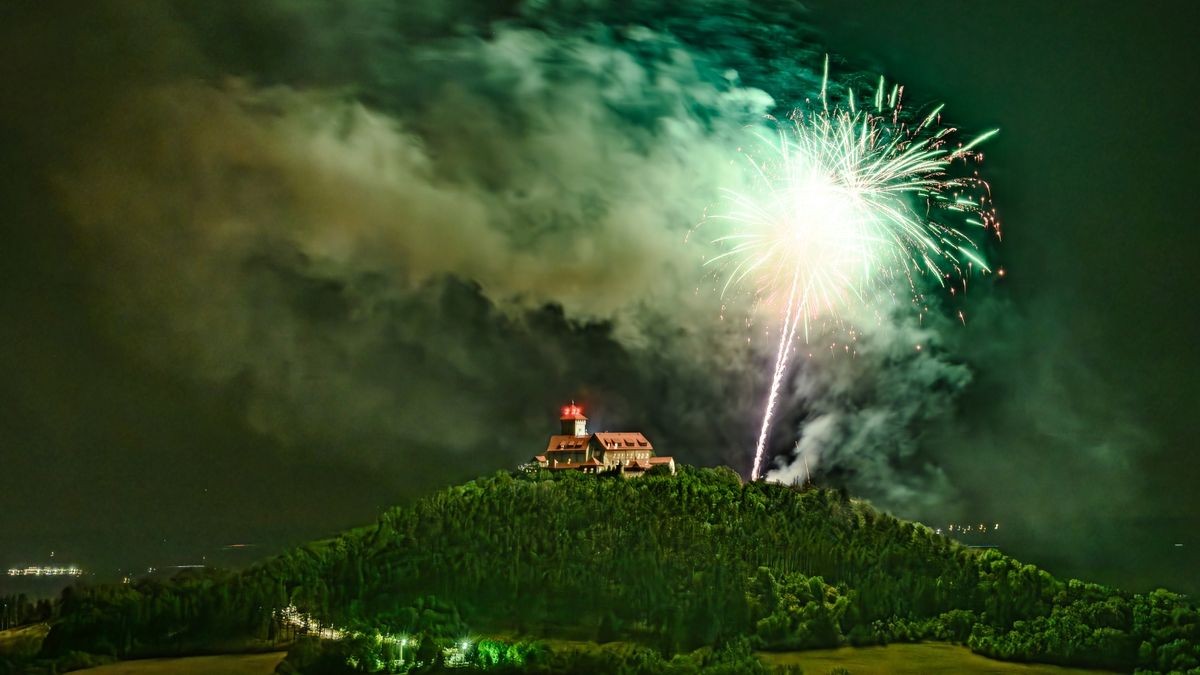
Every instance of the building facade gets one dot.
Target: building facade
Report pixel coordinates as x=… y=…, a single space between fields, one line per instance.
x=576 y=449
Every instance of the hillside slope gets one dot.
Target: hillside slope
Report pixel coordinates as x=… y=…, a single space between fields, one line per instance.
x=674 y=563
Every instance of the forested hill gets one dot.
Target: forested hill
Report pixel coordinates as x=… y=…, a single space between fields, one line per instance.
x=671 y=562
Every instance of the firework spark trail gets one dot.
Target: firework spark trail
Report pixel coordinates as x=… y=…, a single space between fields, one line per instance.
x=831 y=222
x=791 y=321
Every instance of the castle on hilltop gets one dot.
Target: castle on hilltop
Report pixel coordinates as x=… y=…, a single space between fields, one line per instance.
x=575 y=449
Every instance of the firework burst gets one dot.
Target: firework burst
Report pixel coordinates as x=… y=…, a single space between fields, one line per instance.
x=845 y=203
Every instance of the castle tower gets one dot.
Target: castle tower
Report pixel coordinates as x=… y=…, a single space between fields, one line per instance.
x=573 y=421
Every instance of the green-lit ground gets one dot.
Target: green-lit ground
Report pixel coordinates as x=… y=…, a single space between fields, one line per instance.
x=231 y=664
x=901 y=659
x=926 y=658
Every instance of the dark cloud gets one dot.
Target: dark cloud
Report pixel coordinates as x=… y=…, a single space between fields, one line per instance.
x=289 y=236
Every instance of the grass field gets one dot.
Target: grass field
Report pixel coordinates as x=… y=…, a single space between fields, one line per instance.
x=926 y=658
x=231 y=664
x=929 y=658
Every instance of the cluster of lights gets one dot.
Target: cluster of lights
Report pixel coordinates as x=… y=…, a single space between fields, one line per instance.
x=454 y=656
x=457 y=656
x=38 y=571
x=963 y=529
x=572 y=411
x=292 y=616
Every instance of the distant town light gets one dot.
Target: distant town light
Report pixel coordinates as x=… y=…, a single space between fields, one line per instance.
x=38 y=571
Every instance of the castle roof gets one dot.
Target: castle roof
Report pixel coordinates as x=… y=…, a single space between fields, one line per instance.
x=622 y=440
x=607 y=440
x=567 y=443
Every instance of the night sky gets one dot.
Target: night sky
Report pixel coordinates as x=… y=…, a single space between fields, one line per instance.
x=267 y=270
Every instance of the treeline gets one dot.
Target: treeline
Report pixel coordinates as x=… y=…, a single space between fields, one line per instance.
x=672 y=563
x=19 y=609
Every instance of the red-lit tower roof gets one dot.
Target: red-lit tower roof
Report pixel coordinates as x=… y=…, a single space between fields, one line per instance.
x=573 y=421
